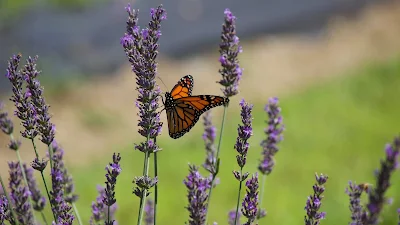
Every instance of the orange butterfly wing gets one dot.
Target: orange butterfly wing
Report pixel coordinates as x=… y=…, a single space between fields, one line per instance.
x=184 y=110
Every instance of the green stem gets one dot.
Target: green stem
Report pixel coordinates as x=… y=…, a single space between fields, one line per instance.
x=143 y=197
x=43 y=217
x=9 y=201
x=217 y=160
x=44 y=180
x=48 y=193
x=77 y=213
x=261 y=196
x=156 y=188
x=238 y=198
x=25 y=180
x=50 y=150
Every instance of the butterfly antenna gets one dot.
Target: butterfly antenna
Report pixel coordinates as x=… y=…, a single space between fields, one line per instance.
x=162 y=82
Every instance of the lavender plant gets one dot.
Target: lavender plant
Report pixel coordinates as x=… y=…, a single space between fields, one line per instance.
x=270 y=144
x=198 y=187
x=250 y=202
x=231 y=73
x=377 y=193
x=313 y=204
x=245 y=131
x=140 y=47
x=358 y=214
x=149 y=210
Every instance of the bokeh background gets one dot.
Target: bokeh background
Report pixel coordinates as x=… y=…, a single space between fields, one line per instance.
x=335 y=65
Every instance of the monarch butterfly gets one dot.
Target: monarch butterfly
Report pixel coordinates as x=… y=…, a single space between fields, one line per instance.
x=183 y=110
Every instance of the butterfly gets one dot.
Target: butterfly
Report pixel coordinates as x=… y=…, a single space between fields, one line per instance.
x=184 y=110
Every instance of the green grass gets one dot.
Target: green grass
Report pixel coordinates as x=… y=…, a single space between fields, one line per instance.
x=339 y=128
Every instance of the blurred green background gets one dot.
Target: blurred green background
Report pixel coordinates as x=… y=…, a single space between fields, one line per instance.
x=339 y=98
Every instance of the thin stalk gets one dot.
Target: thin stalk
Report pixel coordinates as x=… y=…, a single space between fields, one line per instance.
x=217 y=161
x=25 y=180
x=238 y=198
x=44 y=180
x=77 y=213
x=156 y=188
x=8 y=199
x=50 y=150
x=143 y=197
x=261 y=195
x=48 y=193
x=43 y=217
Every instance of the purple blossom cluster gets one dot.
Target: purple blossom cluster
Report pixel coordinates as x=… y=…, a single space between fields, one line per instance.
x=100 y=211
x=245 y=131
x=274 y=136
x=209 y=135
x=313 y=204
x=229 y=51
x=250 y=202
x=19 y=195
x=198 y=187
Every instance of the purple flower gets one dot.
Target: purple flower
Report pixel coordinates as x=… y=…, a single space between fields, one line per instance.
x=198 y=188
x=209 y=138
x=398 y=212
x=377 y=194
x=5 y=212
x=229 y=50
x=7 y=126
x=60 y=207
x=244 y=133
x=113 y=170
x=141 y=49
x=250 y=201
x=68 y=183
x=20 y=194
x=231 y=217
x=149 y=210
x=39 y=201
x=25 y=109
x=274 y=136
x=358 y=214
x=313 y=204
x=43 y=126
x=100 y=210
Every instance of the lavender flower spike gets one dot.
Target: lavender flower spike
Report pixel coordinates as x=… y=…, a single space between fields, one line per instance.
x=376 y=195
x=358 y=215
x=209 y=135
x=313 y=204
x=274 y=136
x=250 y=201
x=25 y=109
x=229 y=50
x=35 y=91
x=39 y=201
x=149 y=210
x=113 y=170
x=68 y=182
x=61 y=209
x=198 y=187
x=231 y=217
x=99 y=209
x=141 y=49
x=245 y=131
x=7 y=126
x=20 y=195
x=398 y=212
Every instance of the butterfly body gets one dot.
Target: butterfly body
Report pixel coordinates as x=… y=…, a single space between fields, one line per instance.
x=184 y=110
